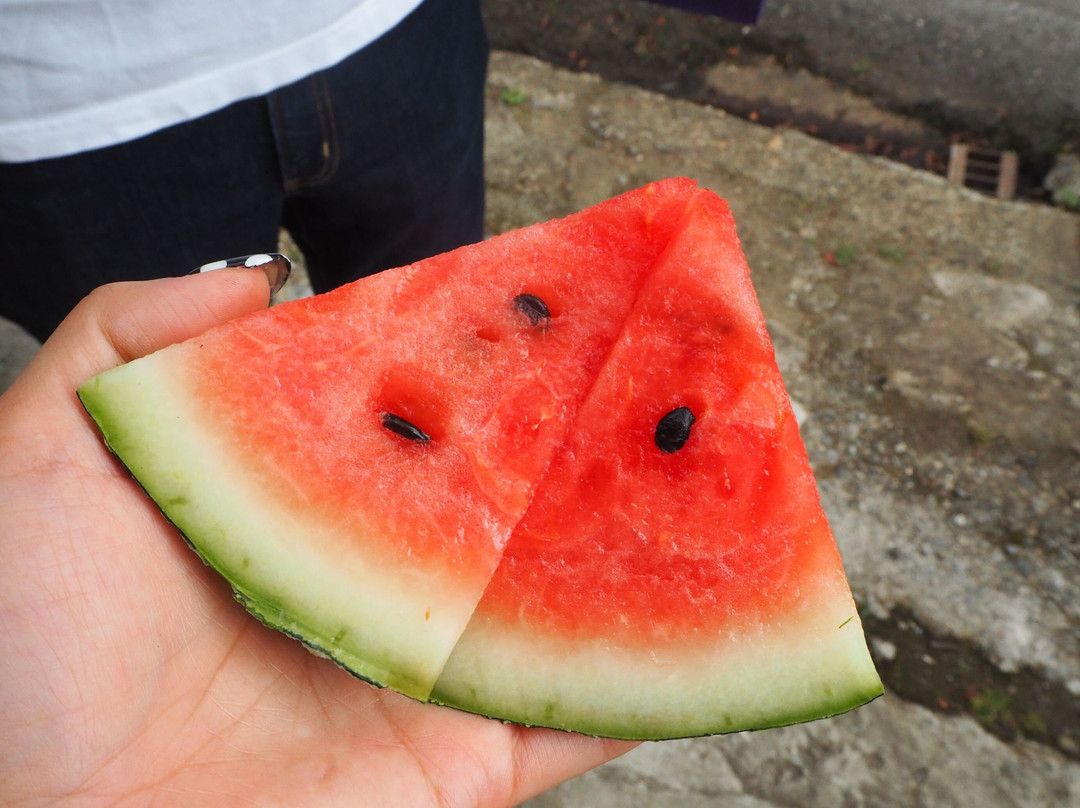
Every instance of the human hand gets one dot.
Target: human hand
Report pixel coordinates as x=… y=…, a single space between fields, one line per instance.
x=129 y=676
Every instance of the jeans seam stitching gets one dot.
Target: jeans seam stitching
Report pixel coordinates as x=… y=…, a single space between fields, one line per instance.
x=328 y=127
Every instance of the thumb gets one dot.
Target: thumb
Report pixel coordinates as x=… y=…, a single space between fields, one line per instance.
x=123 y=321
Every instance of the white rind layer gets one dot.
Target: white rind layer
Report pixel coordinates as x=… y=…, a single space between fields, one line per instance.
x=813 y=667
x=390 y=626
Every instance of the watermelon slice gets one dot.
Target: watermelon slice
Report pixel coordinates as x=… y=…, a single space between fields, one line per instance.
x=675 y=574
x=578 y=426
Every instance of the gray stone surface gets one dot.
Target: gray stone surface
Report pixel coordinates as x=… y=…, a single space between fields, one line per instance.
x=886 y=754
x=930 y=338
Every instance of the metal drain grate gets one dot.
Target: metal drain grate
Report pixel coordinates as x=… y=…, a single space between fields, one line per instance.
x=992 y=172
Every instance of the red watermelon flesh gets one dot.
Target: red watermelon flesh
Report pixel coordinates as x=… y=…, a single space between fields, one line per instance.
x=367 y=545
x=651 y=593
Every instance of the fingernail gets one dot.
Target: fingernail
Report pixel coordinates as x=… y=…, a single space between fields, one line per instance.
x=276 y=266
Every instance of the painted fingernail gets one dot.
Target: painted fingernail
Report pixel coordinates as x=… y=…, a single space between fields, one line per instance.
x=276 y=266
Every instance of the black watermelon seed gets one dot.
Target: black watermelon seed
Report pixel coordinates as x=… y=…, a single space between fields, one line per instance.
x=673 y=431
x=532 y=307
x=398 y=425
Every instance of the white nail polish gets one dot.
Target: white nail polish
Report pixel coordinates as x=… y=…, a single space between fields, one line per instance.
x=275 y=265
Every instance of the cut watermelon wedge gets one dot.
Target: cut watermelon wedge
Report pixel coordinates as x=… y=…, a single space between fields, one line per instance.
x=355 y=464
x=684 y=588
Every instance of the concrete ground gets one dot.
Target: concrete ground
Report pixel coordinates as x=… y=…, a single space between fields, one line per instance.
x=930 y=338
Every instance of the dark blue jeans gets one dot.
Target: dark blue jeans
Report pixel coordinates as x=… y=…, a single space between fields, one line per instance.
x=375 y=162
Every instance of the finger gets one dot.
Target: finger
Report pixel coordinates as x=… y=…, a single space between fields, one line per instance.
x=123 y=321
x=544 y=758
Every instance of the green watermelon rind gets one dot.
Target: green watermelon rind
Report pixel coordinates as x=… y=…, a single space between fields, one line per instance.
x=588 y=723
x=804 y=668
x=132 y=403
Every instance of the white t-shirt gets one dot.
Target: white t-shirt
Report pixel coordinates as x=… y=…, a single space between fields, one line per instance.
x=81 y=74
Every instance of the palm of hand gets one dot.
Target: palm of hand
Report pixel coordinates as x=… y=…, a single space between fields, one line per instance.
x=131 y=677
